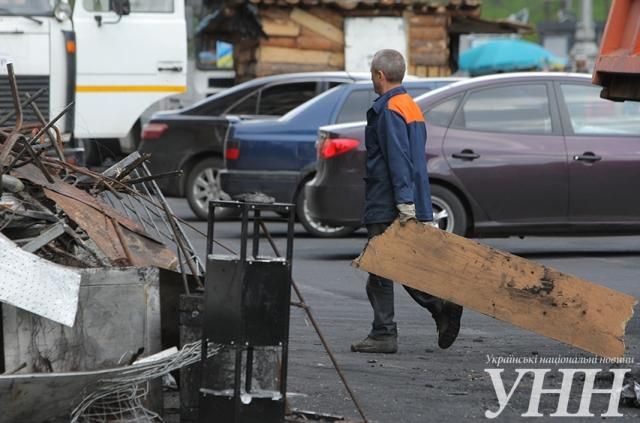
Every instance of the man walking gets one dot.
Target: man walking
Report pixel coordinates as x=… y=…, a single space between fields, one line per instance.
x=397 y=186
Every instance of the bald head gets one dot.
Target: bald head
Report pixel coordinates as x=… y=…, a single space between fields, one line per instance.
x=390 y=63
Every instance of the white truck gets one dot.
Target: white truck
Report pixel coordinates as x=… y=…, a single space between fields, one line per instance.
x=114 y=58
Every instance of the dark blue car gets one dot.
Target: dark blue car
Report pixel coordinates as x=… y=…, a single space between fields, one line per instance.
x=277 y=157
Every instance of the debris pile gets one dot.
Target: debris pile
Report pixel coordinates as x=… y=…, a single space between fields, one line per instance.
x=74 y=216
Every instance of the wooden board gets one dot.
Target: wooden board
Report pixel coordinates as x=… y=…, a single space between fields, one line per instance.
x=429 y=20
x=423 y=46
x=278 y=28
x=304 y=41
x=317 y=25
x=308 y=38
x=507 y=287
x=328 y=15
x=318 y=43
x=265 y=69
x=287 y=42
x=290 y=55
x=434 y=33
x=430 y=59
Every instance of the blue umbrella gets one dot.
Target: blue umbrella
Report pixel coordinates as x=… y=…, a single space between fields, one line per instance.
x=505 y=56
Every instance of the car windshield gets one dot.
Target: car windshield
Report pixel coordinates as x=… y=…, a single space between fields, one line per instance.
x=27 y=7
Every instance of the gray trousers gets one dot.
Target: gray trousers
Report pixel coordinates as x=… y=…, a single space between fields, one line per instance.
x=380 y=293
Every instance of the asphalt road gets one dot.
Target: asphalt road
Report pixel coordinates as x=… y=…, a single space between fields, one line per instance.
x=422 y=383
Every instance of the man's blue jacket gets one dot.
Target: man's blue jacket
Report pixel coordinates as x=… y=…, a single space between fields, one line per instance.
x=396 y=138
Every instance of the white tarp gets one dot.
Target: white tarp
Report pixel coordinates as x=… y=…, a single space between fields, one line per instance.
x=37 y=285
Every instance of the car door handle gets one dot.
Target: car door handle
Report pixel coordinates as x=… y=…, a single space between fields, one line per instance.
x=466 y=155
x=587 y=157
x=170 y=69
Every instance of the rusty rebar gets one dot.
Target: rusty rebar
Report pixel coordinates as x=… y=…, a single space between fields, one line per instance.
x=55 y=141
x=24 y=105
x=14 y=135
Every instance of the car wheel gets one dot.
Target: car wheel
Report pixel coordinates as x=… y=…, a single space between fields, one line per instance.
x=315 y=227
x=98 y=152
x=448 y=211
x=203 y=186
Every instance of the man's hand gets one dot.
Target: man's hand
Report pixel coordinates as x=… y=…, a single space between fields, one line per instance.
x=407 y=213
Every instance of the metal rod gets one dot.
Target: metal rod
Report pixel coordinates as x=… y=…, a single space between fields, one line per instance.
x=38 y=135
x=177 y=234
x=249 y=374
x=178 y=230
x=13 y=84
x=24 y=105
x=146 y=209
x=237 y=380
x=243 y=234
x=139 y=198
x=256 y=233
x=51 y=123
x=290 y=229
x=37 y=161
x=54 y=140
x=154 y=177
x=211 y=217
x=185 y=281
x=302 y=304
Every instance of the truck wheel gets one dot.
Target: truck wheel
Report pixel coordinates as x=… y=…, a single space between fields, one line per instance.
x=203 y=186
x=448 y=211
x=315 y=227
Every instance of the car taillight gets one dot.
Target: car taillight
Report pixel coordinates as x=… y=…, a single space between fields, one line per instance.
x=153 y=131
x=332 y=147
x=232 y=150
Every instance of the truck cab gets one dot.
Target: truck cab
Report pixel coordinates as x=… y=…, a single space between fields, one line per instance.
x=36 y=37
x=114 y=58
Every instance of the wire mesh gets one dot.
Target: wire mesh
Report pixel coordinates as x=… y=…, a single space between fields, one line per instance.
x=121 y=398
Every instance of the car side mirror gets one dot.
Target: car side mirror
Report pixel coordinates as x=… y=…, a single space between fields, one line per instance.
x=121 y=7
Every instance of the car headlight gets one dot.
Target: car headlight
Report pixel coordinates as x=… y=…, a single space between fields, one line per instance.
x=62 y=11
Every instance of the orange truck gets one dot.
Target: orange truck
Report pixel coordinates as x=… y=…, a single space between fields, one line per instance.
x=617 y=68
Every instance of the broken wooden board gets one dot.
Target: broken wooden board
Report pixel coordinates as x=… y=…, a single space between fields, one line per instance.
x=501 y=285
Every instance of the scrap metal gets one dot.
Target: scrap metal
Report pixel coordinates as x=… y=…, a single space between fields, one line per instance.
x=36 y=285
x=75 y=216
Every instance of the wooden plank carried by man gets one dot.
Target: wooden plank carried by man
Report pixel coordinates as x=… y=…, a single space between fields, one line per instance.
x=526 y=294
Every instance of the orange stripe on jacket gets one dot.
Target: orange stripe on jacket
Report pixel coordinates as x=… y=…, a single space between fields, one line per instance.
x=404 y=105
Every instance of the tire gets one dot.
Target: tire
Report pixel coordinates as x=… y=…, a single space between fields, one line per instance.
x=203 y=186
x=448 y=211
x=97 y=152
x=314 y=227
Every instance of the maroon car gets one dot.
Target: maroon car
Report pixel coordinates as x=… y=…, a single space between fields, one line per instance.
x=510 y=154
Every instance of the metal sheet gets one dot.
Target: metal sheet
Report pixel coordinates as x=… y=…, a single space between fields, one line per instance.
x=121 y=245
x=57 y=394
x=122 y=304
x=36 y=285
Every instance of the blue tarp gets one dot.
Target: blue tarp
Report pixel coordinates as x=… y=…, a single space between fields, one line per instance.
x=507 y=55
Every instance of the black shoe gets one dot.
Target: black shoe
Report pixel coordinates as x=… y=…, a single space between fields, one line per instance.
x=384 y=345
x=448 y=324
